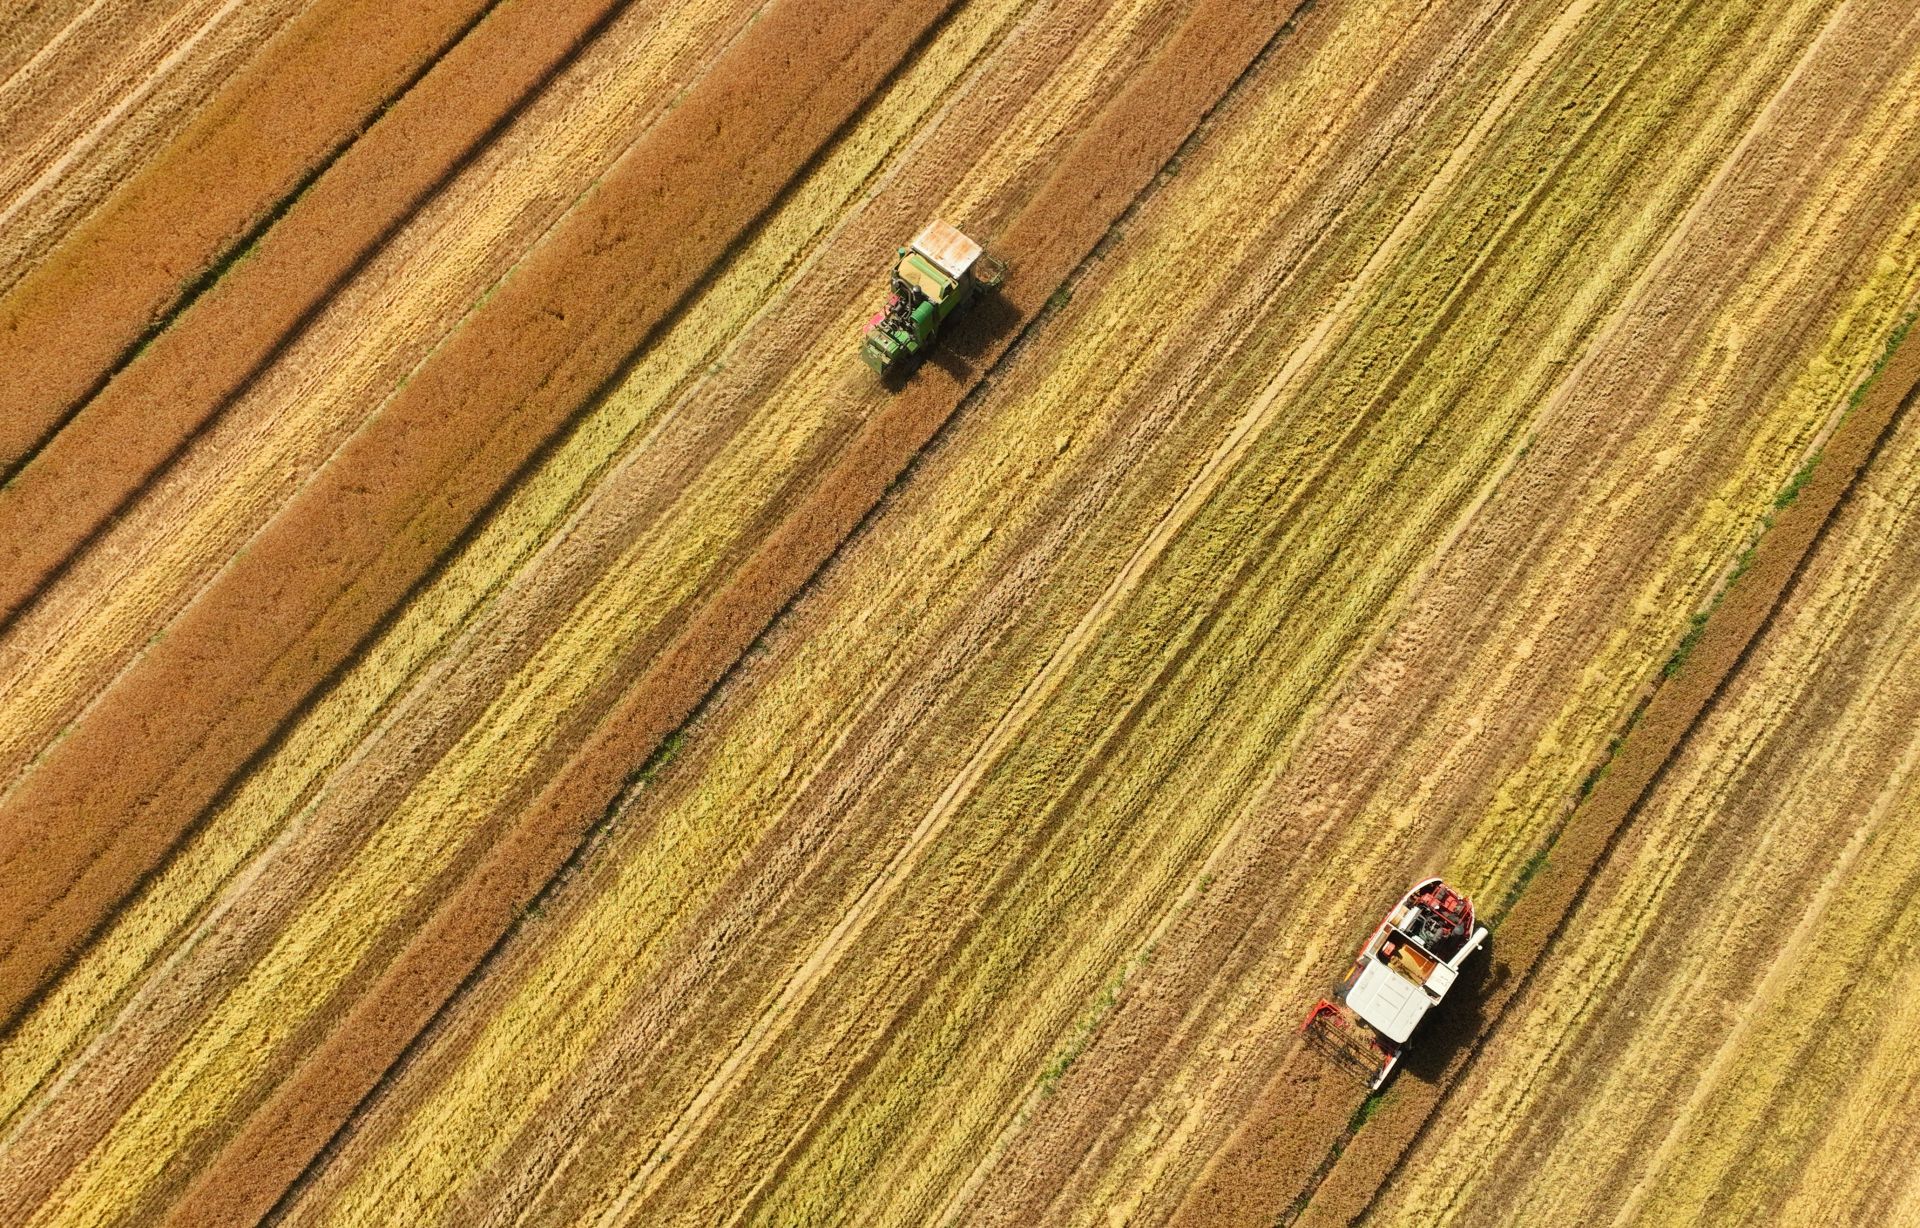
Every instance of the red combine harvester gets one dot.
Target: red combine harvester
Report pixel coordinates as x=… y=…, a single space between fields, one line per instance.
x=1404 y=970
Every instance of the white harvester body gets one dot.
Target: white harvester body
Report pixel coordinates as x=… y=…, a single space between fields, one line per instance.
x=1405 y=968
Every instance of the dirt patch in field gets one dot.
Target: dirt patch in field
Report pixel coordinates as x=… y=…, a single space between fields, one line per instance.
x=1091 y=186
x=104 y=456
x=309 y=92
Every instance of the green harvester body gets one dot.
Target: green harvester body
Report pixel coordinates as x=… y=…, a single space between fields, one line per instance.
x=937 y=275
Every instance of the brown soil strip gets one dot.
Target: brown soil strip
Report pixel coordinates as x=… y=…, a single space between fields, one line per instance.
x=1111 y=162
x=191 y=372
x=309 y=92
x=1355 y=1173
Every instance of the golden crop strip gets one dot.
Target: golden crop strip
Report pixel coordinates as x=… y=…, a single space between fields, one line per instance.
x=1269 y=567
x=478 y=213
x=979 y=1014
x=1770 y=885
x=286 y=426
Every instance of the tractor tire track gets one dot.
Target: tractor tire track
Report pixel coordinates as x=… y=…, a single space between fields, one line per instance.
x=217 y=345
x=71 y=322
x=402 y=489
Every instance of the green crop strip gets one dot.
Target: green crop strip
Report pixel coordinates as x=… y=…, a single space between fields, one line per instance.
x=658 y=761
x=1697 y=624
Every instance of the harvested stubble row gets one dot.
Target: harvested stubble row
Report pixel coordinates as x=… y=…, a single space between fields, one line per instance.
x=87 y=98
x=826 y=357
x=1834 y=57
x=1749 y=1060
x=67 y=325
x=912 y=1041
x=1100 y=174
x=27 y=31
x=1494 y=591
x=874 y=52
x=104 y=455
x=827 y=1096
x=474 y=666
x=448 y=441
x=1036 y=267
x=359 y=704
x=568 y=1205
x=1537 y=918
x=344 y=363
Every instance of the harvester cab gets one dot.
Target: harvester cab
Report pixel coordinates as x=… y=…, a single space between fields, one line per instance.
x=1404 y=969
x=937 y=275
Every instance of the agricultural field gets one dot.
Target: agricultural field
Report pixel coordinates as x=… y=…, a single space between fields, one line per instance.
x=505 y=720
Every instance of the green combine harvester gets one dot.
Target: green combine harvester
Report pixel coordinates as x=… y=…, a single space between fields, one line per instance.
x=937 y=276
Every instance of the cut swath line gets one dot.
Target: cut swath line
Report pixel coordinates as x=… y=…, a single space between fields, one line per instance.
x=1784 y=965
x=1664 y=254
x=1529 y=69
x=51 y=46
x=1636 y=298
x=991 y=1155
x=128 y=100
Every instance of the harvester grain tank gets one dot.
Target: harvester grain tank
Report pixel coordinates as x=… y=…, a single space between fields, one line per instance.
x=936 y=276
x=1404 y=970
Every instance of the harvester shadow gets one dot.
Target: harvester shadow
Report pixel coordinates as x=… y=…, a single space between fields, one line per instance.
x=966 y=346
x=1459 y=1021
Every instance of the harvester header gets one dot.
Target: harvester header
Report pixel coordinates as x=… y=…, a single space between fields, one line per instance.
x=1405 y=967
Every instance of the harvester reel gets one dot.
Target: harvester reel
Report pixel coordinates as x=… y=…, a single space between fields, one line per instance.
x=1330 y=1030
